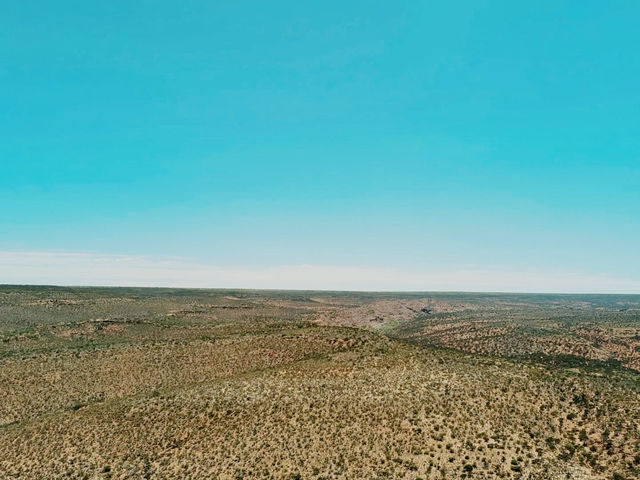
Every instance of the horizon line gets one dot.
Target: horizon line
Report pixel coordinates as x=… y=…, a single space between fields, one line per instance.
x=92 y=269
x=248 y=289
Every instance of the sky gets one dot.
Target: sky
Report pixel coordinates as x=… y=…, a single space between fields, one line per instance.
x=405 y=145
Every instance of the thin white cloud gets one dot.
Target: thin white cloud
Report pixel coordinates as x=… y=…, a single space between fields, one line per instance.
x=70 y=268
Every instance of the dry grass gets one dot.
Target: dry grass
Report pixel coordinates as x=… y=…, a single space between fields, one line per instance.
x=260 y=392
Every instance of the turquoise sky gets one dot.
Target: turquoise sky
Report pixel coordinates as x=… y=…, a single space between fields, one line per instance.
x=424 y=137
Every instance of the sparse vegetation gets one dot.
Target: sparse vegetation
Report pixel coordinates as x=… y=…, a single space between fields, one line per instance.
x=159 y=383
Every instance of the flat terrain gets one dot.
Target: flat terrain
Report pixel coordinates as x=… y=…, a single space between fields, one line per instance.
x=129 y=383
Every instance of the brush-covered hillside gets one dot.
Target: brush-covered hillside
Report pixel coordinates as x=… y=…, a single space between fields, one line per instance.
x=127 y=383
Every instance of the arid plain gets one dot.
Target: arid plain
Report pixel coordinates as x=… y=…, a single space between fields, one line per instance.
x=128 y=383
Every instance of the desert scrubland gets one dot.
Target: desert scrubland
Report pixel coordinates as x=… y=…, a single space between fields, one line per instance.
x=129 y=383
